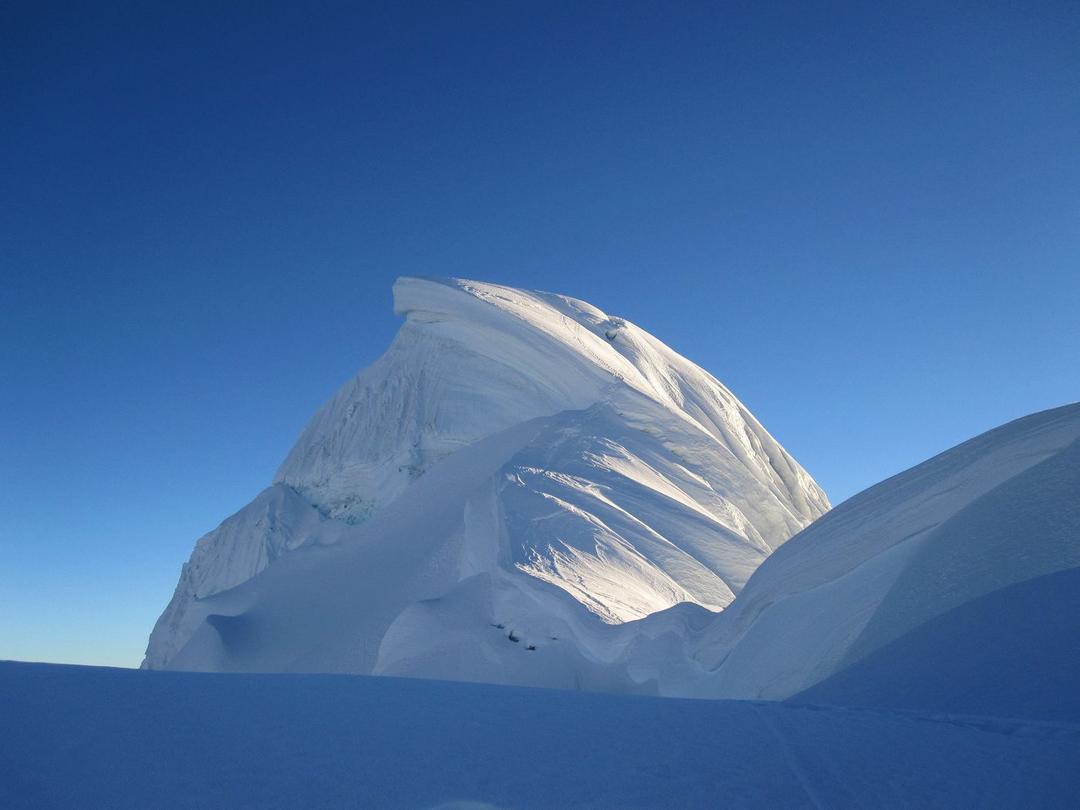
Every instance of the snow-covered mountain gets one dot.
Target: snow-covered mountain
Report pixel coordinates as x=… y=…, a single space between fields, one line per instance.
x=526 y=491
x=515 y=480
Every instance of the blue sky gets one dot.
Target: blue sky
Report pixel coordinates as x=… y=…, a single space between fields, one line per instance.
x=865 y=220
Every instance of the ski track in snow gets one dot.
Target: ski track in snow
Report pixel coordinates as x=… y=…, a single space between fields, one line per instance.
x=93 y=737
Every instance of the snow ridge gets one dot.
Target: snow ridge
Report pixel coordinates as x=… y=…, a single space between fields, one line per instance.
x=997 y=510
x=575 y=471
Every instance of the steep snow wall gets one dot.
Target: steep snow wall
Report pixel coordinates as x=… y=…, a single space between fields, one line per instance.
x=472 y=359
x=514 y=457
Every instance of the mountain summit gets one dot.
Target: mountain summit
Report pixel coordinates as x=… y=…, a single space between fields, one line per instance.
x=518 y=471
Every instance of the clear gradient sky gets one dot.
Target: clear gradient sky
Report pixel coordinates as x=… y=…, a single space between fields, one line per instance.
x=865 y=220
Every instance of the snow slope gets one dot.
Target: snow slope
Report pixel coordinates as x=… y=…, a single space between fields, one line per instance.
x=92 y=737
x=519 y=469
x=892 y=562
x=1014 y=652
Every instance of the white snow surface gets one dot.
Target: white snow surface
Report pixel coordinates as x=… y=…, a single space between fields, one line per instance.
x=1000 y=509
x=94 y=737
x=561 y=501
x=519 y=470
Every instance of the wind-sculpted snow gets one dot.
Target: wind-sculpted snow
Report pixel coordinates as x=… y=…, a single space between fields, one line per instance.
x=562 y=468
x=1000 y=509
x=1013 y=652
x=473 y=359
x=526 y=491
x=276 y=522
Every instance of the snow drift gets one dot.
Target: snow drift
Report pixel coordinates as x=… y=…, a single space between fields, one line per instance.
x=1014 y=652
x=516 y=479
x=920 y=570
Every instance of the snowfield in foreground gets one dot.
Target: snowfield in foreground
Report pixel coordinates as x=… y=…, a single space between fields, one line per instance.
x=90 y=737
